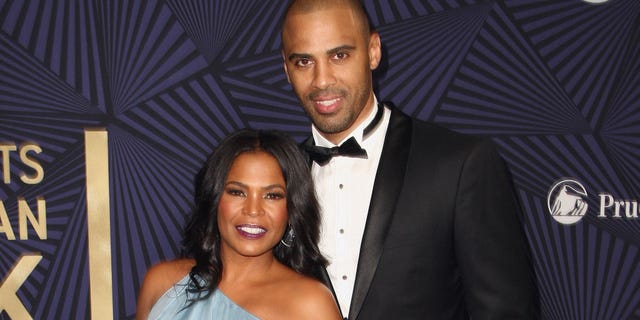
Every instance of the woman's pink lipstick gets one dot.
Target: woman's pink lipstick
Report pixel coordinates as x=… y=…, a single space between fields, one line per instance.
x=251 y=231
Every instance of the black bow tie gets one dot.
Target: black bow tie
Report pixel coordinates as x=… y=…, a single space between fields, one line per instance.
x=322 y=155
x=350 y=148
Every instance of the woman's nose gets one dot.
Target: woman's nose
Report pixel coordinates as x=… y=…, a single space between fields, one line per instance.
x=253 y=206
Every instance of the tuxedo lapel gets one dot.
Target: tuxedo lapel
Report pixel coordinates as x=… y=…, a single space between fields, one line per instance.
x=386 y=188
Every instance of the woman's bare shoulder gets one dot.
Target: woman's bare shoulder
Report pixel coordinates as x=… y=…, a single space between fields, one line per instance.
x=174 y=268
x=309 y=298
x=158 y=280
x=165 y=274
x=317 y=301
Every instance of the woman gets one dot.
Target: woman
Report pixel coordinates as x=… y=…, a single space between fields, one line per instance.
x=251 y=242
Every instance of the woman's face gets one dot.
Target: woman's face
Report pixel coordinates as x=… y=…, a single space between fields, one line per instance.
x=252 y=213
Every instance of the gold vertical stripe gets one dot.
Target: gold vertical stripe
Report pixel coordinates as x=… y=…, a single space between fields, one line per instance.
x=98 y=222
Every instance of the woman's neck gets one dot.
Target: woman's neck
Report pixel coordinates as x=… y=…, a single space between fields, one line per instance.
x=237 y=269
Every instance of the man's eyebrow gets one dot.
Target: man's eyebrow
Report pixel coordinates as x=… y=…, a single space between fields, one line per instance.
x=295 y=56
x=332 y=51
x=340 y=48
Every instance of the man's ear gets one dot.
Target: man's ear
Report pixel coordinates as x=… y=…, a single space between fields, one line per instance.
x=375 y=50
x=284 y=65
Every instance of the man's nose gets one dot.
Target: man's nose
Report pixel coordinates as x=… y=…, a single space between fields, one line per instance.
x=323 y=76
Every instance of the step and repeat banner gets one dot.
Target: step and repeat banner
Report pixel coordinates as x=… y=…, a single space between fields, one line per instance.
x=108 y=108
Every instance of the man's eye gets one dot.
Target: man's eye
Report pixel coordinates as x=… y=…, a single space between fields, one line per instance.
x=303 y=63
x=341 y=56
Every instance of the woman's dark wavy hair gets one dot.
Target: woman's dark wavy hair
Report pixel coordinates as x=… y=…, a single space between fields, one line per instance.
x=201 y=239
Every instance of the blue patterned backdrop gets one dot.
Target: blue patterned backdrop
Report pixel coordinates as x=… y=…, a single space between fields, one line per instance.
x=555 y=83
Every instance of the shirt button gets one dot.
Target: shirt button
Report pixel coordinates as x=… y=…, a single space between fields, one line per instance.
x=341 y=231
x=341 y=186
x=344 y=277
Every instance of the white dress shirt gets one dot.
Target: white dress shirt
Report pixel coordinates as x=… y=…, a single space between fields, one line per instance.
x=344 y=187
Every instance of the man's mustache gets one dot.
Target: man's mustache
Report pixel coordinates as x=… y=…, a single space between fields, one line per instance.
x=326 y=92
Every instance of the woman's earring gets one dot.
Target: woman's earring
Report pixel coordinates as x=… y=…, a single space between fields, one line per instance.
x=288 y=239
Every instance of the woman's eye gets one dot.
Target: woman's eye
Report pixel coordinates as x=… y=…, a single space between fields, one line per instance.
x=274 y=195
x=235 y=192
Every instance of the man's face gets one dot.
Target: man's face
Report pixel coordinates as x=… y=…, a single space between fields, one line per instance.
x=328 y=61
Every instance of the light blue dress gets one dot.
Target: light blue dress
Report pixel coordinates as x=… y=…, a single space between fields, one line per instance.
x=174 y=305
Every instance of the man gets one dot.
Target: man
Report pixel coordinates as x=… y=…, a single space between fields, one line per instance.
x=423 y=223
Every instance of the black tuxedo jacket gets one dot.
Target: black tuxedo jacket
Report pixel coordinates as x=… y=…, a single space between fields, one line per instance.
x=443 y=238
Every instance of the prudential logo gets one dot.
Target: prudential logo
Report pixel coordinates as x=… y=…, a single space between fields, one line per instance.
x=567 y=201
